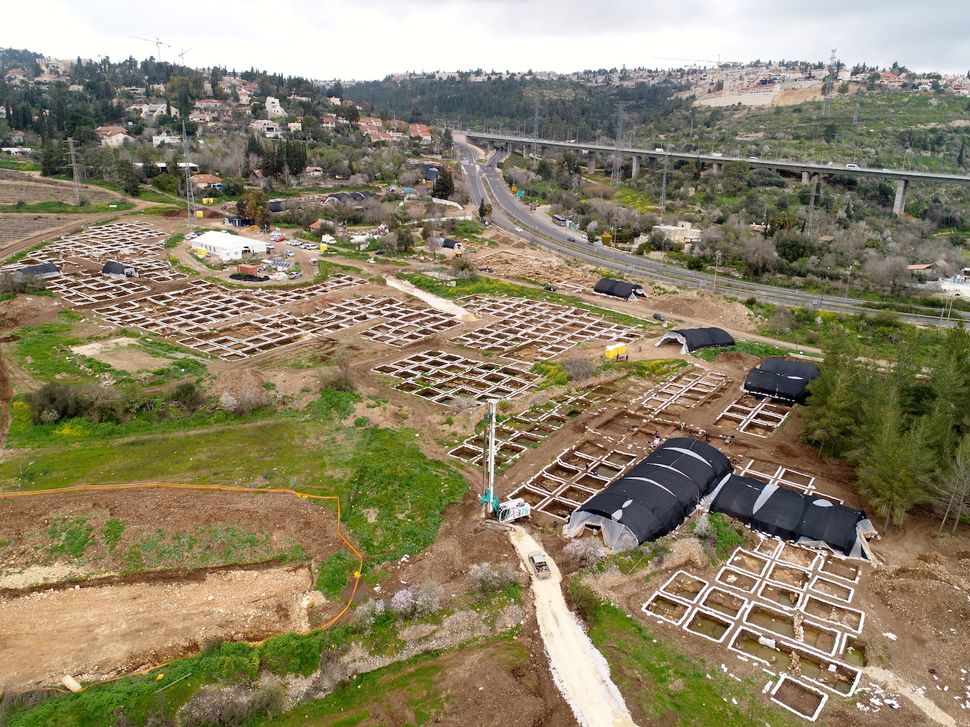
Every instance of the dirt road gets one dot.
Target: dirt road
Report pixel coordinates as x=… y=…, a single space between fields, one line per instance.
x=579 y=670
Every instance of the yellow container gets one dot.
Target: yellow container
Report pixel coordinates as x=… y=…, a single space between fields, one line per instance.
x=199 y=213
x=615 y=350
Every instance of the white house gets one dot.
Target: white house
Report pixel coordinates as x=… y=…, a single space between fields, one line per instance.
x=273 y=107
x=228 y=247
x=166 y=138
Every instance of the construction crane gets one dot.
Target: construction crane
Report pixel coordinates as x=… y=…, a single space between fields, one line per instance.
x=504 y=512
x=158 y=43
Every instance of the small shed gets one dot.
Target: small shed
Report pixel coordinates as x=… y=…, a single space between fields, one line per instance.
x=247 y=269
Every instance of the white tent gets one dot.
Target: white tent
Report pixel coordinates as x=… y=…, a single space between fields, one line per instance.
x=229 y=247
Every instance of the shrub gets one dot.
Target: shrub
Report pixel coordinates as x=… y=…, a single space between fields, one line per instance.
x=55 y=401
x=585 y=551
x=188 y=395
x=228 y=403
x=489 y=579
x=369 y=611
x=579 y=369
x=291 y=654
x=402 y=603
x=427 y=598
x=232 y=706
x=340 y=378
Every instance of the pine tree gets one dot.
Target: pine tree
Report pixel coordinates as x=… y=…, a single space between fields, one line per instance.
x=444 y=185
x=952 y=492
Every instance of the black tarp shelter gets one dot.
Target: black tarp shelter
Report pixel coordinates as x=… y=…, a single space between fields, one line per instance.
x=653 y=497
x=781 y=378
x=617 y=288
x=693 y=339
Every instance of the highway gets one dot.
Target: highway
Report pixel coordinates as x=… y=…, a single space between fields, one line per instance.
x=783 y=164
x=484 y=180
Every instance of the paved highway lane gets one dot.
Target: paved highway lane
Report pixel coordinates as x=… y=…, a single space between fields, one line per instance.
x=508 y=213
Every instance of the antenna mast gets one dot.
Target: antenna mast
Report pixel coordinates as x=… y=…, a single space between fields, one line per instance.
x=189 y=194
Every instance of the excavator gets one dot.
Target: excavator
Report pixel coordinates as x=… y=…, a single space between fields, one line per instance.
x=503 y=512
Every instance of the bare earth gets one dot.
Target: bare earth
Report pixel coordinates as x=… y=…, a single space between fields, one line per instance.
x=106 y=629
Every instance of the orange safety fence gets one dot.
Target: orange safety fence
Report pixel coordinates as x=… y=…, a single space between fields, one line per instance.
x=211 y=488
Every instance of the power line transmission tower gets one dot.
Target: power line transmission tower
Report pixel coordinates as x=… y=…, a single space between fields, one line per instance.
x=189 y=194
x=535 y=130
x=829 y=83
x=617 y=166
x=663 y=188
x=855 y=115
x=814 y=180
x=76 y=170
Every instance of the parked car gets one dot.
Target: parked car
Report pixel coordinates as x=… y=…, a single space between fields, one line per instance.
x=550 y=288
x=277 y=237
x=851 y=166
x=191 y=235
x=570 y=239
x=659 y=317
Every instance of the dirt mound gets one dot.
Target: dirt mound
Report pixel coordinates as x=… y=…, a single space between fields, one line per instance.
x=707 y=307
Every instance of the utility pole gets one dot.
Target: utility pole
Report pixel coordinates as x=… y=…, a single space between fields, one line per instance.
x=717 y=264
x=189 y=195
x=855 y=114
x=535 y=129
x=617 y=165
x=76 y=170
x=663 y=187
x=813 y=180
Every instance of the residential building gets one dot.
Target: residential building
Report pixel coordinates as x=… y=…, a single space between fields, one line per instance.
x=153 y=111
x=166 y=138
x=421 y=132
x=273 y=108
x=328 y=122
x=269 y=129
x=682 y=232
x=294 y=126
x=201 y=181
x=111 y=136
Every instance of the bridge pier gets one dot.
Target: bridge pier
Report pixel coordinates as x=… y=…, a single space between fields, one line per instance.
x=591 y=163
x=635 y=168
x=652 y=163
x=899 y=205
x=716 y=168
x=805 y=177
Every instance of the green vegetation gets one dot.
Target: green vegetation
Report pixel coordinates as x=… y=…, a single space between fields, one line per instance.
x=899 y=421
x=69 y=536
x=112 y=531
x=552 y=373
x=664 y=686
x=173 y=241
x=334 y=572
x=65 y=208
x=751 y=348
x=725 y=534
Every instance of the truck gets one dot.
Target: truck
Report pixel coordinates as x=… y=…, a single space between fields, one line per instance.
x=539 y=564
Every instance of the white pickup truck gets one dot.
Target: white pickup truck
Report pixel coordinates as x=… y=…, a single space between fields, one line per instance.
x=538 y=562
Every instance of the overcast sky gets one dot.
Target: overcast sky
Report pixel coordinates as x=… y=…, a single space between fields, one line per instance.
x=366 y=39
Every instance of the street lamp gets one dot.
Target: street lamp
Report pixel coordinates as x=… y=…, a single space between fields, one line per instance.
x=717 y=262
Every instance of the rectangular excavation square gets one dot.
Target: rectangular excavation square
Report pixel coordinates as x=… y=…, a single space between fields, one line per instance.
x=689 y=389
x=792 y=627
x=798 y=698
x=839 y=568
x=832 y=590
x=684 y=585
x=712 y=626
x=782 y=596
x=789 y=575
x=802 y=557
x=723 y=602
x=737 y=579
x=749 y=562
x=757 y=417
x=842 y=616
x=664 y=607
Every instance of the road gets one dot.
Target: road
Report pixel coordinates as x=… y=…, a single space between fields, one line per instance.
x=484 y=180
x=712 y=158
x=578 y=668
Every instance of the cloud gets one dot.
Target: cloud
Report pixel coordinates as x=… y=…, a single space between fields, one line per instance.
x=370 y=38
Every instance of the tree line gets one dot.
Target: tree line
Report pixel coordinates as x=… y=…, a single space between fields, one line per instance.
x=904 y=424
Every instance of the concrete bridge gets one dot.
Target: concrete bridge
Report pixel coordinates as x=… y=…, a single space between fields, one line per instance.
x=810 y=172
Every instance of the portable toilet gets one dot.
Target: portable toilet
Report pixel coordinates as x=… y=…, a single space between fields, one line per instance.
x=616 y=352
